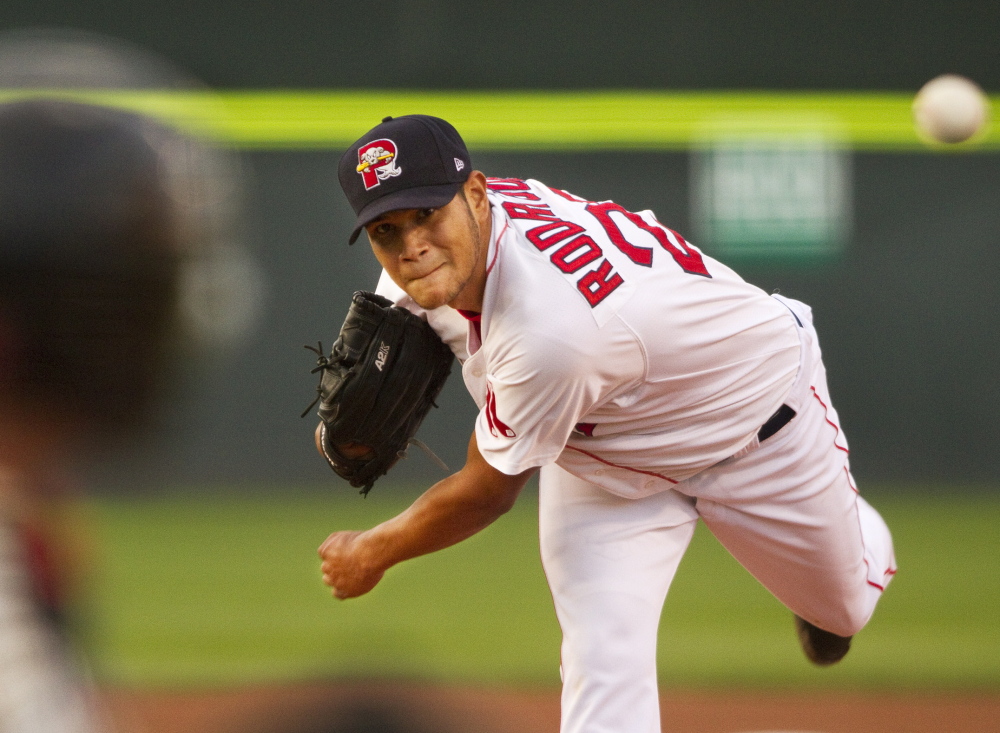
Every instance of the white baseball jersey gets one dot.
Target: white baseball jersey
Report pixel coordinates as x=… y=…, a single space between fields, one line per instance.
x=611 y=346
x=41 y=690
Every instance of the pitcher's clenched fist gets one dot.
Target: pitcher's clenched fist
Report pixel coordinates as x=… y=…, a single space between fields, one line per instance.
x=348 y=565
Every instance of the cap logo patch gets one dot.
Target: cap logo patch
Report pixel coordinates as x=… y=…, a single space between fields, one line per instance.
x=459 y=164
x=377 y=162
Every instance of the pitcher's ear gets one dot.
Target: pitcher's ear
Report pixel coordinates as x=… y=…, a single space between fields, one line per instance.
x=475 y=193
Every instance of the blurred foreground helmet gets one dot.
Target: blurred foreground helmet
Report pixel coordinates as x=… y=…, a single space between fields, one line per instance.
x=107 y=217
x=90 y=252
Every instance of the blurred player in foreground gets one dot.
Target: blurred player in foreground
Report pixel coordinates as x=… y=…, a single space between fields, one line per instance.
x=110 y=232
x=109 y=222
x=89 y=263
x=649 y=385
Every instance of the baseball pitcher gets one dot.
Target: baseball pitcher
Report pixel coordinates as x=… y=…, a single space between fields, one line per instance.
x=648 y=384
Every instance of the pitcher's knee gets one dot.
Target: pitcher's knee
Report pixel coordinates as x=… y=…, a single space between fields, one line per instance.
x=846 y=618
x=606 y=638
x=610 y=649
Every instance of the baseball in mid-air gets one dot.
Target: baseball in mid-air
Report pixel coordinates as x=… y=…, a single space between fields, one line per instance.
x=950 y=109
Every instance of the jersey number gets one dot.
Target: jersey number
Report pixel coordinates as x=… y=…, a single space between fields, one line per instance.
x=689 y=259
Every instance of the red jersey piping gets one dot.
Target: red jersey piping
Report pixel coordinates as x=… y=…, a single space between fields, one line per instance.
x=626 y=468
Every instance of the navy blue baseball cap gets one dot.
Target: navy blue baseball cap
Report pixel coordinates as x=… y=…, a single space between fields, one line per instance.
x=409 y=162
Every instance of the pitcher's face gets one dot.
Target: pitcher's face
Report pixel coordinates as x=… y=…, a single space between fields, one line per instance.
x=436 y=255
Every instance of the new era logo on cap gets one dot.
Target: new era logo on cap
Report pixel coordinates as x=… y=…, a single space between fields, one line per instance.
x=410 y=162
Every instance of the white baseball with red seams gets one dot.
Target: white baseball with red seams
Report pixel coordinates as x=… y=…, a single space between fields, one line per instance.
x=636 y=372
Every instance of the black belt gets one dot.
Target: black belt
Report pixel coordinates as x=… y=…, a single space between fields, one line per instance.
x=775 y=423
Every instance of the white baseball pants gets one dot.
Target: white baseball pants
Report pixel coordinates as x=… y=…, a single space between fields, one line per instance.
x=787 y=510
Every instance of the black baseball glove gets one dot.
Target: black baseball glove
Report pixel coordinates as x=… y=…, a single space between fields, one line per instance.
x=379 y=382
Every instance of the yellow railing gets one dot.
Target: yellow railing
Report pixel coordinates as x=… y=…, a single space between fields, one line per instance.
x=533 y=121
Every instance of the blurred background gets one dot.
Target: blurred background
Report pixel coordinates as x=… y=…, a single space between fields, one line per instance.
x=908 y=257
x=775 y=135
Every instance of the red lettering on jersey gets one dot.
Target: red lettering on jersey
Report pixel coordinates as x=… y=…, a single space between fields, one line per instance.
x=598 y=284
x=546 y=235
x=587 y=428
x=686 y=256
x=561 y=257
x=568 y=196
x=602 y=212
x=539 y=212
x=689 y=259
x=497 y=426
x=506 y=184
x=513 y=188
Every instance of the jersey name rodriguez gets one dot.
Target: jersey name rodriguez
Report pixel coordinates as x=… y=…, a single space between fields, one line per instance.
x=611 y=346
x=594 y=258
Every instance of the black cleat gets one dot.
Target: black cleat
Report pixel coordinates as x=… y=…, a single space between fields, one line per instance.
x=821 y=647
